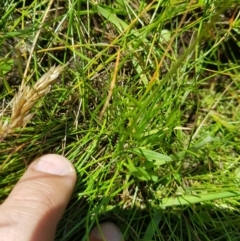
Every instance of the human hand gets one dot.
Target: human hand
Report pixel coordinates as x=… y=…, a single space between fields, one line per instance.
x=37 y=203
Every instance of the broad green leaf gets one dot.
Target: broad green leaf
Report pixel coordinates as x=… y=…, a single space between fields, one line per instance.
x=203 y=143
x=191 y=199
x=158 y=158
x=138 y=172
x=121 y=25
x=165 y=36
x=5 y=66
x=152 y=227
x=153 y=175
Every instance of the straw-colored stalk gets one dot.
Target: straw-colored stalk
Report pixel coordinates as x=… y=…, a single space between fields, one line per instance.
x=25 y=99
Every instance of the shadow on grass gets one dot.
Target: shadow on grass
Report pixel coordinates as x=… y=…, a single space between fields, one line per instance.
x=196 y=222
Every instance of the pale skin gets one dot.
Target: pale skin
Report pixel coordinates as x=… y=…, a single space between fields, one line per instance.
x=38 y=201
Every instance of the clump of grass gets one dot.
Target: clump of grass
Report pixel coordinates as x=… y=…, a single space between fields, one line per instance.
x=162 y=160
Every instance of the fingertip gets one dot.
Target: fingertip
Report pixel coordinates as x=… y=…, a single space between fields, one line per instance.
x=106 y=232
x=53 y=164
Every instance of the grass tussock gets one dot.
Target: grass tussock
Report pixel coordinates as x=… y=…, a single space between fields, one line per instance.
x=147 y=109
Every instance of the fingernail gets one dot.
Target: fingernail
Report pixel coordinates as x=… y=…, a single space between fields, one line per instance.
x=108 y=232
x=53 y=164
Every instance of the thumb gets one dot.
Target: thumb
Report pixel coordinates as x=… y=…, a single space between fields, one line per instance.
x=37 y=202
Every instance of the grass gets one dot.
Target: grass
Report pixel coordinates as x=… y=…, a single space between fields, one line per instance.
x=147 y=109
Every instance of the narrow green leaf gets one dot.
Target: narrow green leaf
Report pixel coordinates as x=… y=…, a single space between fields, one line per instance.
x=153 y=226
x=195 y=147
x=217 y=118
